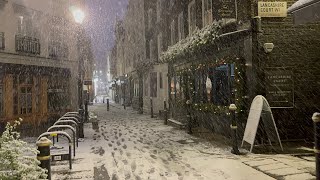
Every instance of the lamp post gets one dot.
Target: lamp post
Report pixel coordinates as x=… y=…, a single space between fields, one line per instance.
x=78 y=16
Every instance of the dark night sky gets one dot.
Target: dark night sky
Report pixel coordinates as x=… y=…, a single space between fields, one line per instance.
x=100 y=20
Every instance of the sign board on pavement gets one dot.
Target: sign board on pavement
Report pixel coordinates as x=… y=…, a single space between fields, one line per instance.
x=260 y=109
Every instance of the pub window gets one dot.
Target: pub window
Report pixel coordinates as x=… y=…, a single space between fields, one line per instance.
x=222 y=80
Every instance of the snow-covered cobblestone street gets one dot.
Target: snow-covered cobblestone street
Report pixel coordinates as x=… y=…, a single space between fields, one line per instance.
x=128 y=145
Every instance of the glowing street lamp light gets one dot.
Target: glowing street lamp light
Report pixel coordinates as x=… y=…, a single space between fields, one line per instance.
x=78 y=14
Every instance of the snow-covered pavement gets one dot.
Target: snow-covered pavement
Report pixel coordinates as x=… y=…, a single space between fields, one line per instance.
x=128 y=145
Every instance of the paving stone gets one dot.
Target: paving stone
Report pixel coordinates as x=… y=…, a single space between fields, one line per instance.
x=261 y=162
x=303 y=176
x=275 y=166
x=285 y=171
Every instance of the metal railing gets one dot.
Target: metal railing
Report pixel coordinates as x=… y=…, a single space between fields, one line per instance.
x=27 y=44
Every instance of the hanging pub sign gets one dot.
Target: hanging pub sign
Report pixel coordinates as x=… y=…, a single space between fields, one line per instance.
x=272 y=9
x=225 y=9
x=279 y=87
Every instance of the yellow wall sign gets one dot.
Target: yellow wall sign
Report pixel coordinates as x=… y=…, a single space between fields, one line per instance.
x=272 y=9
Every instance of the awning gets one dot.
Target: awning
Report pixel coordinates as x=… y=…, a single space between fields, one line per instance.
x=305 y=11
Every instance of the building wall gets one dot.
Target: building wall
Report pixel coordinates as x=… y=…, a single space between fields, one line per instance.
x=49 y=21
x=295 y=48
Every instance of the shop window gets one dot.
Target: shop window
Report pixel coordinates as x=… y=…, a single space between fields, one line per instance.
x=22 y=95
x=25 y=99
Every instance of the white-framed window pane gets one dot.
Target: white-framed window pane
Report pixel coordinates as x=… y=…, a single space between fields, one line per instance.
x=158 y=10
x=207 y=12
x=173 y=32
x=159 y=44
x=192 y=16
x=180 y=26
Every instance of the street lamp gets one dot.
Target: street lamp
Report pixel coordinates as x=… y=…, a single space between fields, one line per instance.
x=79 y=16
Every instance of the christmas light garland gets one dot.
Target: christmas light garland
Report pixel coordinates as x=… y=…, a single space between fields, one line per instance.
x=239 y=86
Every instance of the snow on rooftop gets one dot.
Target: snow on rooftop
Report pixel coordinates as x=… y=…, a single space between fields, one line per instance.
x=300 y=4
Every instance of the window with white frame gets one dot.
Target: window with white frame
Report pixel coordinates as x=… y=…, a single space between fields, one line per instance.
x=159 y=45
x=173 y=32
x=150 y=18
x=206 y=12
x=151 y=50
x=180 y=26
x=192 y=16
x=159 y=10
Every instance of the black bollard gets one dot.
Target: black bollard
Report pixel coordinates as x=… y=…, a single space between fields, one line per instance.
x=165 y=112
x=108 y=105
x=44 y=154
x=234 y=128
x=81 y=132
x=189 y=118
x=151 y=107
x=316 y=121
x=86 y=113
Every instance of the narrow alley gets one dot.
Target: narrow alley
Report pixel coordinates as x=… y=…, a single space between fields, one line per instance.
x=128 y=145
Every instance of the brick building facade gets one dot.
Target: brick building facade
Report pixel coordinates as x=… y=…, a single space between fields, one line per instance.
x=214 y=57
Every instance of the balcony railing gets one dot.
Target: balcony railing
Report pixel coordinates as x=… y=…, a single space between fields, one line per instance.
x=58 y=50
x=27 y=44
x=2 y=43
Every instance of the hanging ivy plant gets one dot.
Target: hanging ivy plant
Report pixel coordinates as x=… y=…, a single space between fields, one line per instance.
x=200 y=39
